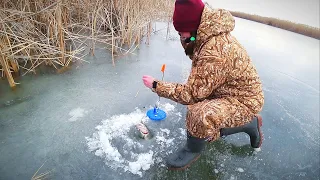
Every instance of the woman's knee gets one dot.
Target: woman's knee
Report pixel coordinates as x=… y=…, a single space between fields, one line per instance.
x=204 y=119
x=197 y=123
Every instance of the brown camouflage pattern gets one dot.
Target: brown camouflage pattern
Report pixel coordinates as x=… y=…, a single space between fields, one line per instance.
x=223 y=88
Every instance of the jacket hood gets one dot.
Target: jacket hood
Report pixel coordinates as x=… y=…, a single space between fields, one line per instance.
x=214 y=22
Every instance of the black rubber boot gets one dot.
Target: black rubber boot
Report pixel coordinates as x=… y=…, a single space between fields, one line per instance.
x=187 y=154
x=252 y=129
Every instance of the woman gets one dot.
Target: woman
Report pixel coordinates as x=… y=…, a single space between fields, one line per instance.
x=223 y=93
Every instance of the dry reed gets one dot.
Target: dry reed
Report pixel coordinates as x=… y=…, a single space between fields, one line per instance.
x=35 y=33
x=282 y=24
x=41 y=176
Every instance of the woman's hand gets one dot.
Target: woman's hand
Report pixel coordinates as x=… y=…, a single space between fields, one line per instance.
x=148 y=80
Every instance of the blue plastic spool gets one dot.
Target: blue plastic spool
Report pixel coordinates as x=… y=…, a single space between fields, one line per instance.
x=156 y=114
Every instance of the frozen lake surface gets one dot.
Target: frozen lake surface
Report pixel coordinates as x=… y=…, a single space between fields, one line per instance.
x=80 y=124
x=298 y=11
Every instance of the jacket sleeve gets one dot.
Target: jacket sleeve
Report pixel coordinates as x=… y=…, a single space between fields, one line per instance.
x=202 y=81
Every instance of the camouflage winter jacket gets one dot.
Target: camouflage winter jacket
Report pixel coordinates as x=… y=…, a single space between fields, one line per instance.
x=221 y=67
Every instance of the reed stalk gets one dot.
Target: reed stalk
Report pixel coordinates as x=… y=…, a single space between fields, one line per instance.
x=35 y=33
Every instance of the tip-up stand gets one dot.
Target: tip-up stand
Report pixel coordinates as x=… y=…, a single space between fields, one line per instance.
x=156 y=114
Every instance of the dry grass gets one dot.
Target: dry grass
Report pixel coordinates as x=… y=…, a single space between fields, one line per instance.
x=286 y=25
x=35 y=33
x=41 y=176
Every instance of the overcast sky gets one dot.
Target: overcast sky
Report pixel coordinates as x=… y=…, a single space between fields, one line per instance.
x=299 y=11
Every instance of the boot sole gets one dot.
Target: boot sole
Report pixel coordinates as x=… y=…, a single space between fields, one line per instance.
x=259 y=129
x=186 y=166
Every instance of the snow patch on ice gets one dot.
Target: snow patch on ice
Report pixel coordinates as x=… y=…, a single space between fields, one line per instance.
x=183 y=132
x=165 y=144
x=114 y=129
x=114 y=142
x=240 y=170
x=165 y=130
x=257 y=149
x=162 y=139
x=144 y=162
x=167 y=107
x=233 y=177
x=76 y=114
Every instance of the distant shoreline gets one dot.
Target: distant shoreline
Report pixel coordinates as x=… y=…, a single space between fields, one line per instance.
x=282 y=24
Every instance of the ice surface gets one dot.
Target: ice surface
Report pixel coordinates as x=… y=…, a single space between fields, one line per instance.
x=183 y=132
x=305 y=12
